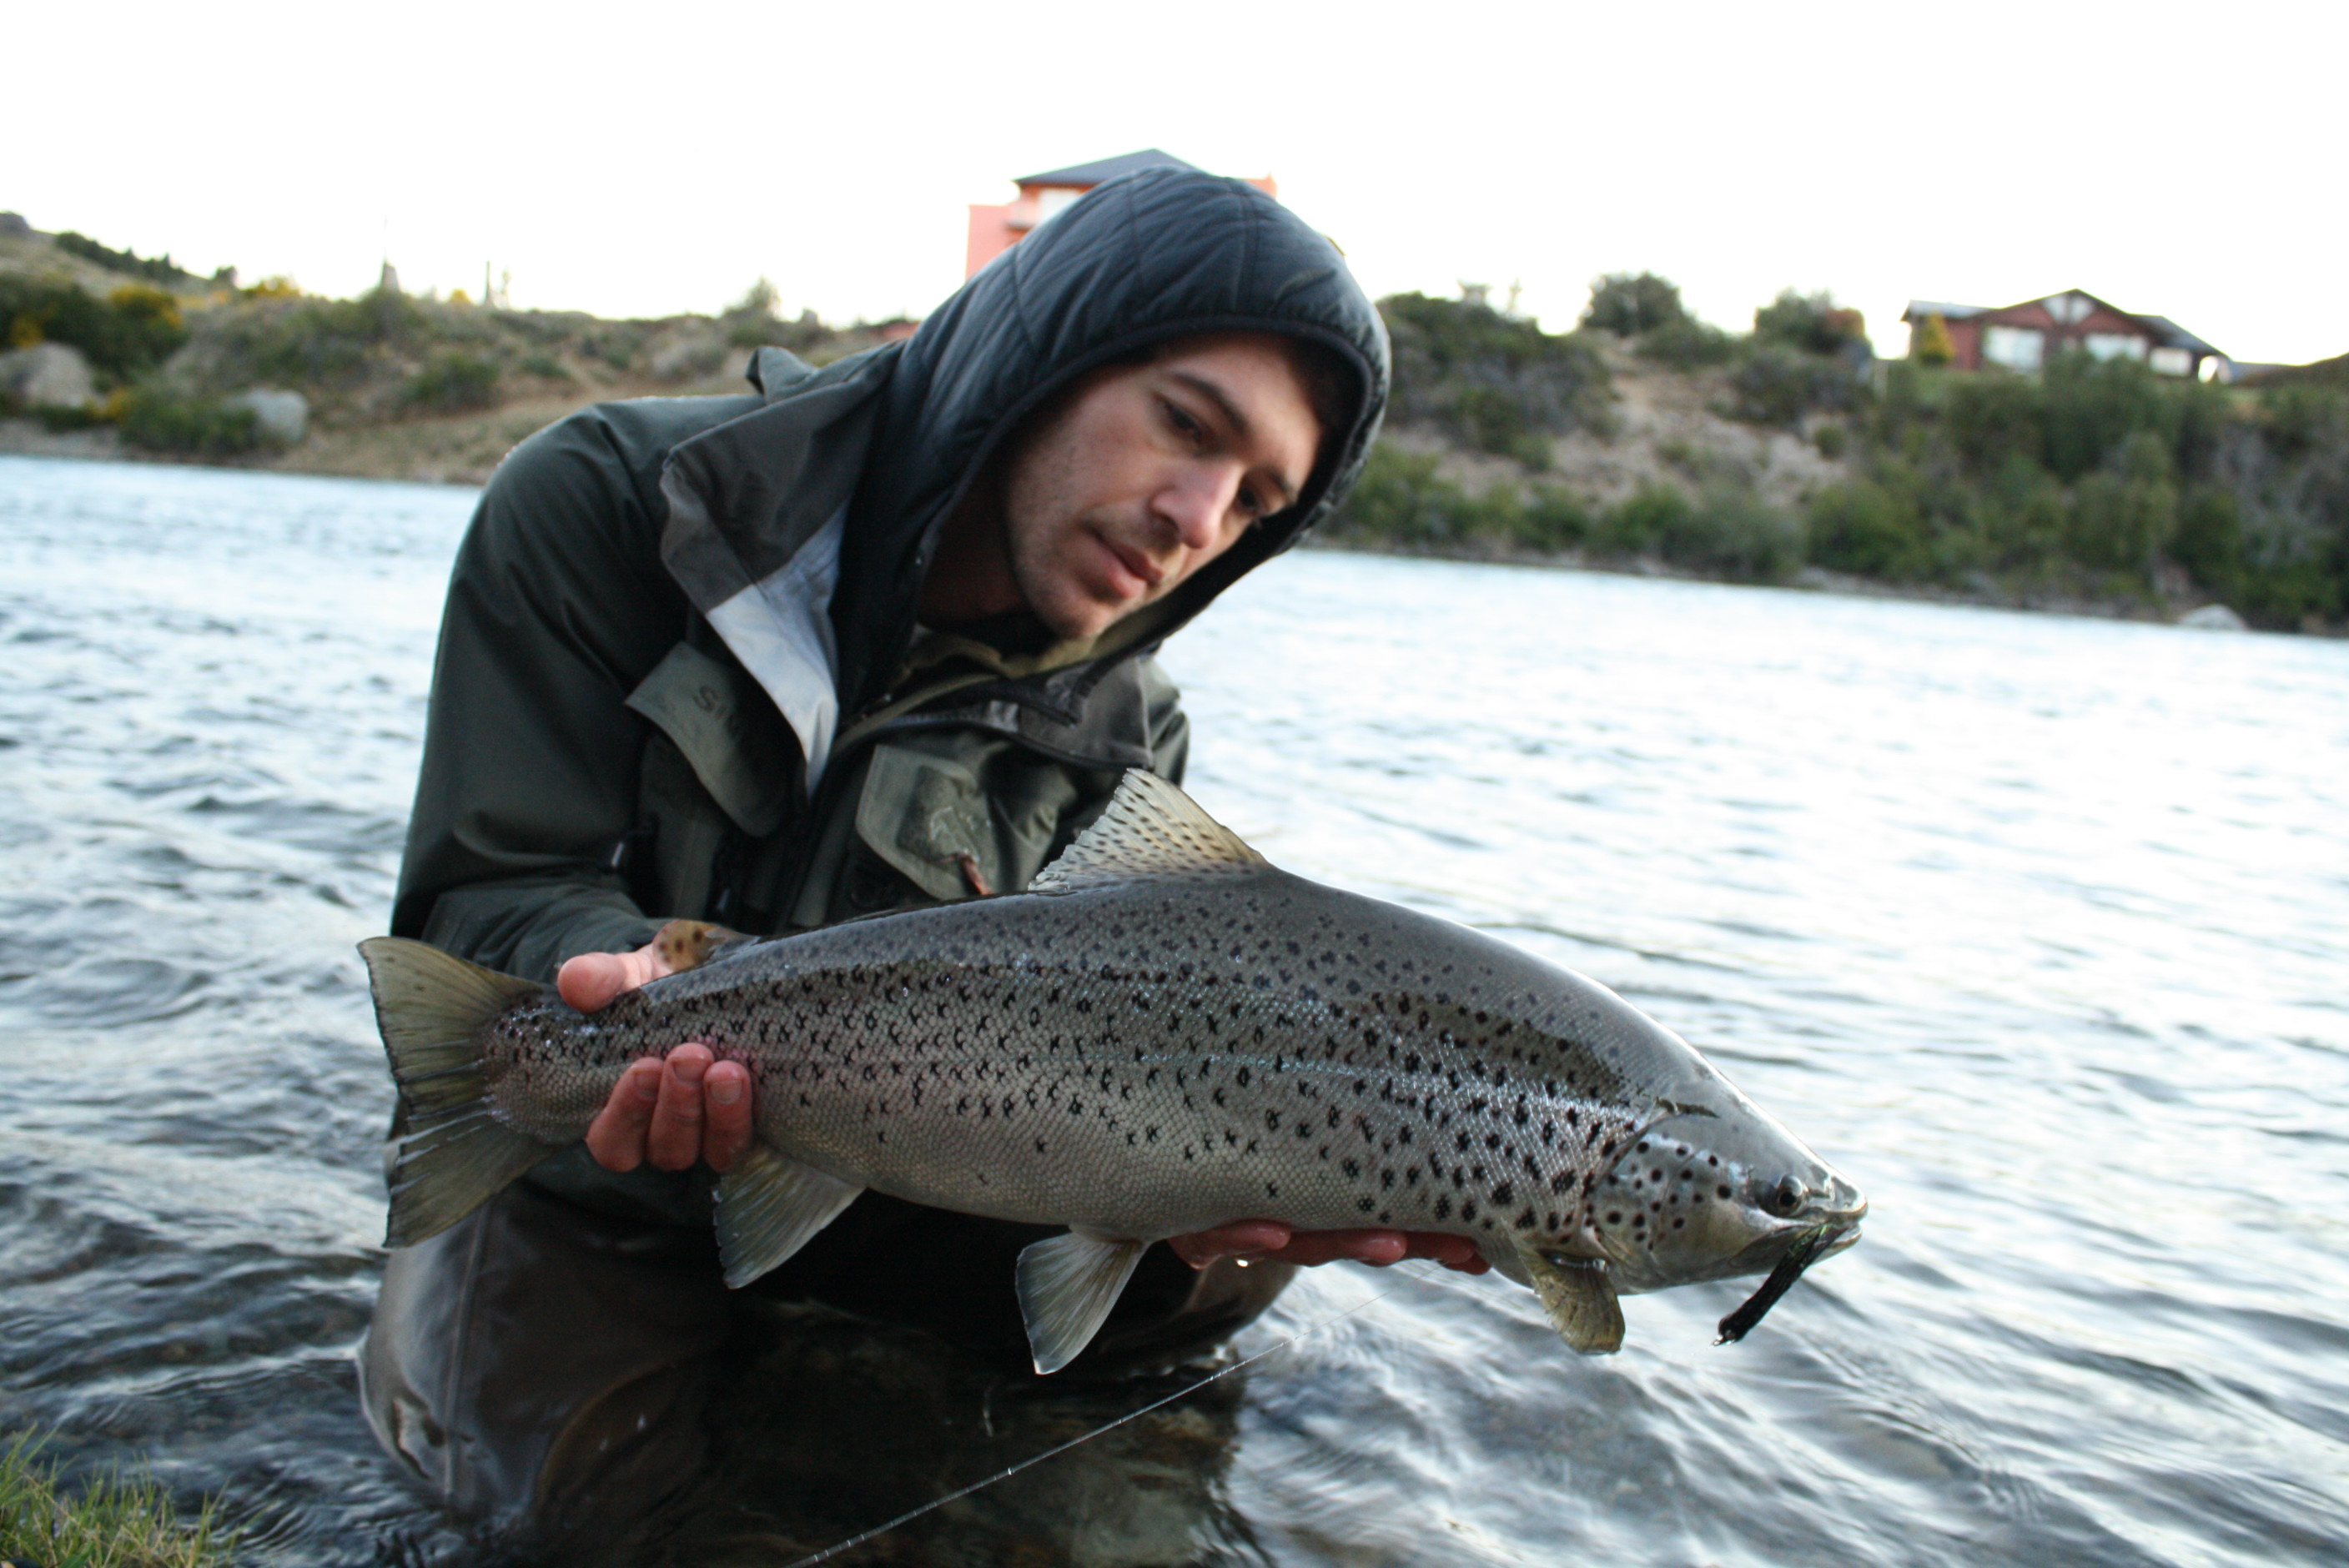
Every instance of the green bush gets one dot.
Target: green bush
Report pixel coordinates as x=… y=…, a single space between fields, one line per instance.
x=1833 y=440
x=1497 y=384
x=1777 y=385
x=1809 y=324
x=1554 y=520
x=1687 y=345
x=189 y=427
x=2124 y=514
x=123 y=336
x=1628 y=305
x=2304 y=419
x=1868 y=530
x=2209 y=542
x=1732 y=532
x=155 y=269
x=453 y=381
x=306 y=342
x=1638 y=525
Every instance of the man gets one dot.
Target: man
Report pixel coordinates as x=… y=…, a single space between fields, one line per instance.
x=878 y=636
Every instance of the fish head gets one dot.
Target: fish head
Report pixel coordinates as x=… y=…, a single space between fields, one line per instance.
x=1714 y=1191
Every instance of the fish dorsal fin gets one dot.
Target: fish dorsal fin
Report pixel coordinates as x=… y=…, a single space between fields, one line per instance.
x=1151 y=829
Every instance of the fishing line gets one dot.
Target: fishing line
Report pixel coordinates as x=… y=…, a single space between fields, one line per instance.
x=836 y=1548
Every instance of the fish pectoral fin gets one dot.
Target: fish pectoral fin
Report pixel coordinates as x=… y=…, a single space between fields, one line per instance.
x=1579 y=1298
x=1067 y=1285
x=1150 y=829
x=689 y=943
x=769 y=1206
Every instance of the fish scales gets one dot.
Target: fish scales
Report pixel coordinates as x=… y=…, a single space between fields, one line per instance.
x=1149 y=1060
x=1167 y=1034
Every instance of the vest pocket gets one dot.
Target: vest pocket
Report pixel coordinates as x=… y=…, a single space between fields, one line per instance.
x=928 y=818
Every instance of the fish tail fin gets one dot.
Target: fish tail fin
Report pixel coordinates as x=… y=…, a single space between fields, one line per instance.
x=431 y=1008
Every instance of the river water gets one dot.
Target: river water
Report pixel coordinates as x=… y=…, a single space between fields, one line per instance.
x=2036 y=927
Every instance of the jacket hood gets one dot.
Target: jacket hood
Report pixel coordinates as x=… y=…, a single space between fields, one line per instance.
x=884 y=445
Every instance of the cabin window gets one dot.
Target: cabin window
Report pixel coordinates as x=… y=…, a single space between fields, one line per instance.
x=2016 y=347
x=2172 y=361
x=1051 y=199
x=2115 y=346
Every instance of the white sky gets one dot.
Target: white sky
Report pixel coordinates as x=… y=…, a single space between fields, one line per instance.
x=642 y=159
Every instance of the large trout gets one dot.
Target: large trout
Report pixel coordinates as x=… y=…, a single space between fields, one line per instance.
x=1164 y=1033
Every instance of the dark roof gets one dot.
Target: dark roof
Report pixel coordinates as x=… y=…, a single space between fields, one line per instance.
x=1107 y=168
x=1919 y=309
x=2173 y=335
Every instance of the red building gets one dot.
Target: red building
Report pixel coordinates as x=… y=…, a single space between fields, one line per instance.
x=2025 y=336
x=995 y=229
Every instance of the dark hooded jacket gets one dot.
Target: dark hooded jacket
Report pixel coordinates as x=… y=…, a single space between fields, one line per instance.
x=598 y=759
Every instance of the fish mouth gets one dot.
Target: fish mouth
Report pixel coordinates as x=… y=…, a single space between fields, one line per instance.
x=1807 y=1247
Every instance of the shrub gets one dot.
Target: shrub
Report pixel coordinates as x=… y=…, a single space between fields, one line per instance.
x=2020 y=514
x=452 y=381
x=131 y=332
x=2302 y=419
x=1993 y=415
x=2209 y=542
x=1627 y=304
x=1732 y=532
x=2091 y=408
x=1932 y=344
x=1809 y=324
x=156 y=269
x=1498 y=384
x=189 y=427
x=545 y=367
x=1777 y=385
x=2124 y=513
x=1687 y=345
x=1638 y=525
x=1833 y=440
x=1870 y=529
x=1554 y=520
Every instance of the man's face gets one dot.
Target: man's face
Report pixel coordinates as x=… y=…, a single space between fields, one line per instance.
x=1139 y=477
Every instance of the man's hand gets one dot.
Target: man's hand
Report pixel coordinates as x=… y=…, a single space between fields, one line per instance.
x=690 y=1107
x=1273 y=1242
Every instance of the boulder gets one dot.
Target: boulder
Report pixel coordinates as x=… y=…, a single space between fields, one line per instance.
x=47 y=375
x=284 y=417
x=13 y=227
x=2214 y=618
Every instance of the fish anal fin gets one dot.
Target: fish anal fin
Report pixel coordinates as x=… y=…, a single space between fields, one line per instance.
x=1579 y=1298
x=686 y=944
x=769 y=1206
x=1150 y=829
x=1067 y=1285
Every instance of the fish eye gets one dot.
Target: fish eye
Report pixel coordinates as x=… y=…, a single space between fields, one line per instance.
x=1785 y=1198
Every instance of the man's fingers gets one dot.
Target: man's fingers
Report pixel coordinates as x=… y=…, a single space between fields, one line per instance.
x=1241 y=1238
x=725 y=1090
x=674 y=1141
x=589 y=981
x=616 y=1137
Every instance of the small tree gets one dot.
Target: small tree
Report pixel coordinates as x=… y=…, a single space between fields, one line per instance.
x=1932 y=344
x=1627 y=304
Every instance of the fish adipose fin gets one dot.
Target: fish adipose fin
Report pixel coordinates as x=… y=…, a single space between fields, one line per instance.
x=769 y=1206
x=1067 y=1285
x=1151 y=829
x=431 y=1008
x=1579 y=1298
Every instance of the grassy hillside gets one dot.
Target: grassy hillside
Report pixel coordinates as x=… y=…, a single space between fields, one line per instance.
x=1787 y=453
x=1646 y=440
